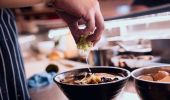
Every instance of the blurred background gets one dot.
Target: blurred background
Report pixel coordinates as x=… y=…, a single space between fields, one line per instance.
x=133 y=27
x=137 y=35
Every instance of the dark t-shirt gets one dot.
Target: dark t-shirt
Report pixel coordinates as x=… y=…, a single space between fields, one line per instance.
x=151 y=3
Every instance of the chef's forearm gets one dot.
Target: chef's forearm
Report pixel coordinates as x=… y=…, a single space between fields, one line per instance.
x=20 y=3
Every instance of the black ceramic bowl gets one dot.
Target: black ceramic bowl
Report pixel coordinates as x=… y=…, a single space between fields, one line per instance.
x=150 y=90
x=105 y=91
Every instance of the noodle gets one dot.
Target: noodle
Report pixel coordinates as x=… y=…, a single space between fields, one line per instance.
x=89 y=78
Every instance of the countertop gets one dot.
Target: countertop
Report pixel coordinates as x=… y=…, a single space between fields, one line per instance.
x=52 y=92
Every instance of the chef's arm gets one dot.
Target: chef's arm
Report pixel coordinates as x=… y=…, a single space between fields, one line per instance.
x=20 y=3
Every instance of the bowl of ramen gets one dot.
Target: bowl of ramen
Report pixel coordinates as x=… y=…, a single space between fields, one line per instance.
x=96 y=83
x=152 y=83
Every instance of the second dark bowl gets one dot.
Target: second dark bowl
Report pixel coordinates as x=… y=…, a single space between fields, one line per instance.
x=105 y=91
x=150 y=90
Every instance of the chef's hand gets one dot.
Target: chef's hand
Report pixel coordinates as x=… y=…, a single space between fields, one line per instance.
x=86 y=11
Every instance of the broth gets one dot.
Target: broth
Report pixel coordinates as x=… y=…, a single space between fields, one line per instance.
x=91 y=78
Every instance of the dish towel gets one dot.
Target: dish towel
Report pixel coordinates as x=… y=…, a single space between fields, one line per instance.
x=41 y=80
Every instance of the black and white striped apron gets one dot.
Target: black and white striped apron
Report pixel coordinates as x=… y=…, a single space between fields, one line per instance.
x=12 y=76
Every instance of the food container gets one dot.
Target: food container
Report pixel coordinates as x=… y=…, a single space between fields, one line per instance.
x=101 y=57
x=151 y=90
x=104 y=91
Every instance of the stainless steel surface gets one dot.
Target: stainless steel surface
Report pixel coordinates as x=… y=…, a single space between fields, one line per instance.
x=161 y=47
x=101 y=57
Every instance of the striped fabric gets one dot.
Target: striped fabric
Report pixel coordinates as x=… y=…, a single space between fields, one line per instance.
x=12 y=76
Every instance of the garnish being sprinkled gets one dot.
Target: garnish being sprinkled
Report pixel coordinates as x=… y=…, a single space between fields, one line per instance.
x=83 y=44
x=84 y=47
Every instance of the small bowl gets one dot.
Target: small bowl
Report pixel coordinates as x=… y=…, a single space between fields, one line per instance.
x=104 y=91
x=45 y=47
x=151 y=90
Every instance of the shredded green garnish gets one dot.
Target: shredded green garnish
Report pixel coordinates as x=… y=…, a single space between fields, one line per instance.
x=83 y=44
